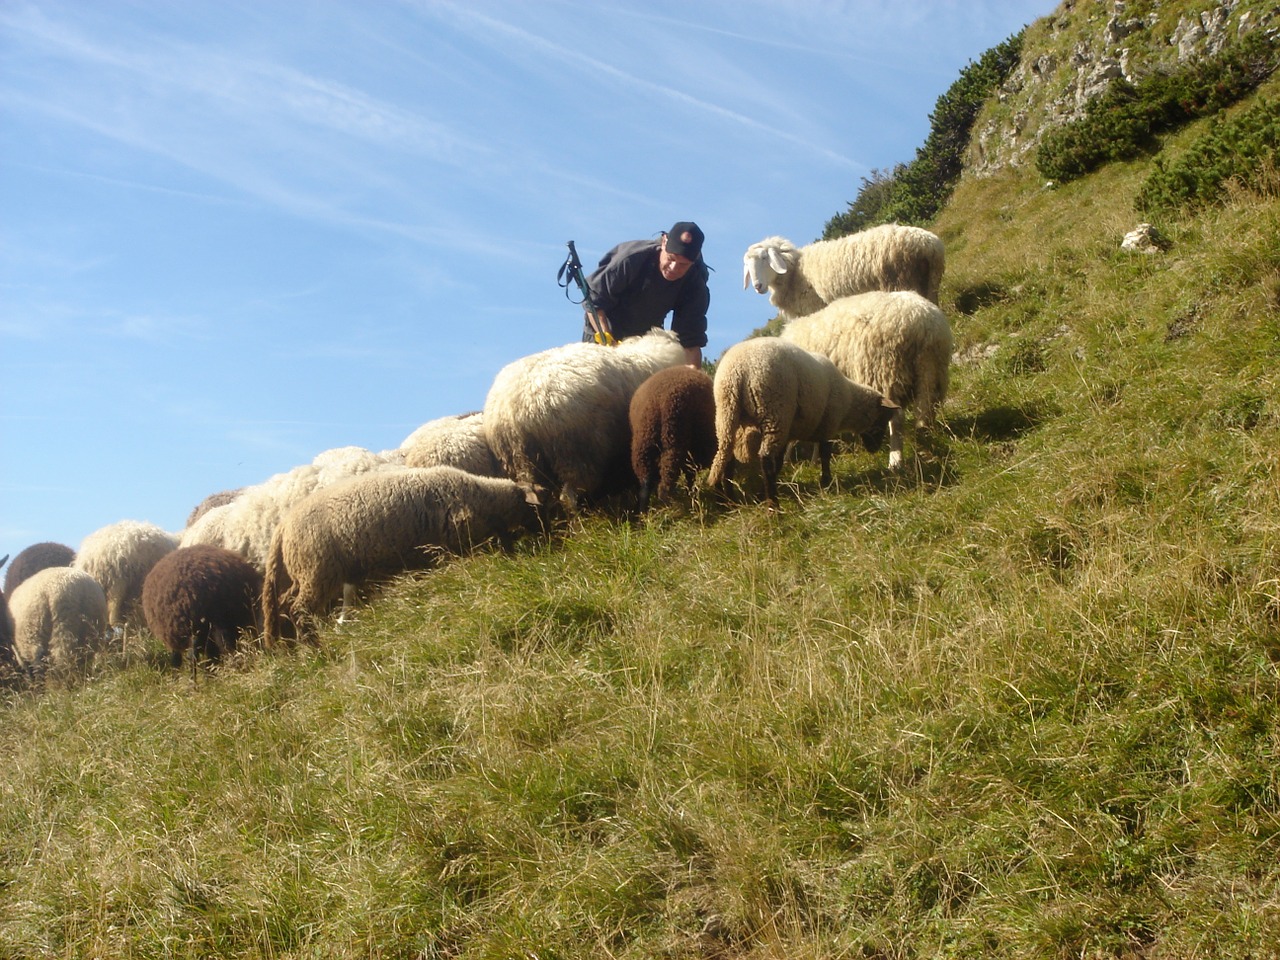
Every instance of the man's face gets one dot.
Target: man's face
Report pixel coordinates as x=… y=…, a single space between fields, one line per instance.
x=673 y=267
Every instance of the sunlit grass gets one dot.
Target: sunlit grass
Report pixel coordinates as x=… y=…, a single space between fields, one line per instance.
x=1020 y=701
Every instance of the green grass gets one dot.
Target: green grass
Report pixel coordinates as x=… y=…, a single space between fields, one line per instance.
x=1020 y=702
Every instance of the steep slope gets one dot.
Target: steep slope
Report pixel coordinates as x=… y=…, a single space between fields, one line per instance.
x=1021 y=702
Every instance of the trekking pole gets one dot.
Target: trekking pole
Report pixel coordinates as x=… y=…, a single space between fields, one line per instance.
x=571 y=272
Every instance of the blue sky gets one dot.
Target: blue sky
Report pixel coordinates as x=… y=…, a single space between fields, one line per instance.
x=236 y=234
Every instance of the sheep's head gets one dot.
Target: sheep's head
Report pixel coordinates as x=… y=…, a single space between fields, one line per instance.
x=765 y=261
x=873 y=438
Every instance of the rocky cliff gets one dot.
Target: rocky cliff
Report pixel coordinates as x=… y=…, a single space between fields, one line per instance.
x=1074 y=53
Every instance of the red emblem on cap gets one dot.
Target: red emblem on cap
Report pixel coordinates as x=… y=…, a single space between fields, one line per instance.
x=686 y=237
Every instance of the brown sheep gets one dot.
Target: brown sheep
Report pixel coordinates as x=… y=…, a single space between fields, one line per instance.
x=33 y=559
x=201 y=598
x=673 y=430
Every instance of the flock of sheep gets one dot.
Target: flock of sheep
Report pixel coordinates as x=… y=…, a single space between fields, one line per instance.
x=562 y=429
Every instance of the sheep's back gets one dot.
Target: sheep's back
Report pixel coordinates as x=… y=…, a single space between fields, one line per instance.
x=457 y=441
x=888 y=257
x=245 y=525
x=59 y=615
x=560 y=418
x=896 y=343
x=119 y=556
x=33 y=559
x=196 y=589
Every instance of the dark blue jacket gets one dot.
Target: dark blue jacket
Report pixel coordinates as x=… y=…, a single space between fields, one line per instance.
x=630 y=289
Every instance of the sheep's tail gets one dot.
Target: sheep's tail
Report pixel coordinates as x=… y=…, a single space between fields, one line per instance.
x=736 y=440
x=271 y=591
x=718 y=473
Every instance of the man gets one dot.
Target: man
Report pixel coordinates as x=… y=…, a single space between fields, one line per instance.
x=640 y=281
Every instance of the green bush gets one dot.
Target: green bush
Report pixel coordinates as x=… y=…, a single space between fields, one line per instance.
x=1123 y=122
x=1237 y=149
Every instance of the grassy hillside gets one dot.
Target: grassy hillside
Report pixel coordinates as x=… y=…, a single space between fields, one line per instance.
x=1021 y=702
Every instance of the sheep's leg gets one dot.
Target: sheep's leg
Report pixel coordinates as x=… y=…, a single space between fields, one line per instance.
x=824 y=458
x=220 y=643
x=897 y=424
x=643 y=497
x=770 y=464
x=669 y=468
x=349 y=600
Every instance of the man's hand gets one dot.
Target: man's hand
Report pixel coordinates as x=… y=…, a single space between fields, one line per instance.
x=693 y=357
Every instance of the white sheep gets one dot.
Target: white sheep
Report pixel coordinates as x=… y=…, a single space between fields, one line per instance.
x=770 y=393
x=802 y=280
x=456 y=441
x=59 y=618
x=897 y=343
x=378 y=525
x=559 y=419
x=119 y=556
x=213 y=500
x=245 y=525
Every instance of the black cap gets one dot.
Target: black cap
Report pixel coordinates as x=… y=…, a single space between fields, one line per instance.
x=685 y=240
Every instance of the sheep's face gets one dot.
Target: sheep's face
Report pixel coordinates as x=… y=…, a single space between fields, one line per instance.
x=756 y=271
x=873 y=439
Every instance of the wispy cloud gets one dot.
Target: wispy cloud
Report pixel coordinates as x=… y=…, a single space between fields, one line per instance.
x=521 y=40
x=269 y=131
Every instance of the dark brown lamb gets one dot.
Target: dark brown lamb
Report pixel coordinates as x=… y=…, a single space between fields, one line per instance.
x=201 y=597
x=33 y=559
x=673 y=430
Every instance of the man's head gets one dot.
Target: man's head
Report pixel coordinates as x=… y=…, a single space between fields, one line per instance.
x=681 y=248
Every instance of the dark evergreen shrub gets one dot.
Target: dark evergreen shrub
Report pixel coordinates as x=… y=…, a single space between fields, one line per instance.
x=1237 y=148
x=1124 y=121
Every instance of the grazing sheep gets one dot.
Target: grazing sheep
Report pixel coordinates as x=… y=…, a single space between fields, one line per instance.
x=803 y=280
x=456 y=441
x=769 y=392
x=897 y=343
x=219 y=499
x=119 y=556
x=35 y=558
x=673 y=430
x=378 y=525
x=245 y=525
x=201 y=598
x=558 y=419
x=59 y=618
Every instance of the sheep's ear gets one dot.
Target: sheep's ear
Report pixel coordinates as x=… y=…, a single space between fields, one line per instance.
x=777 y=261
x=746 y=274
